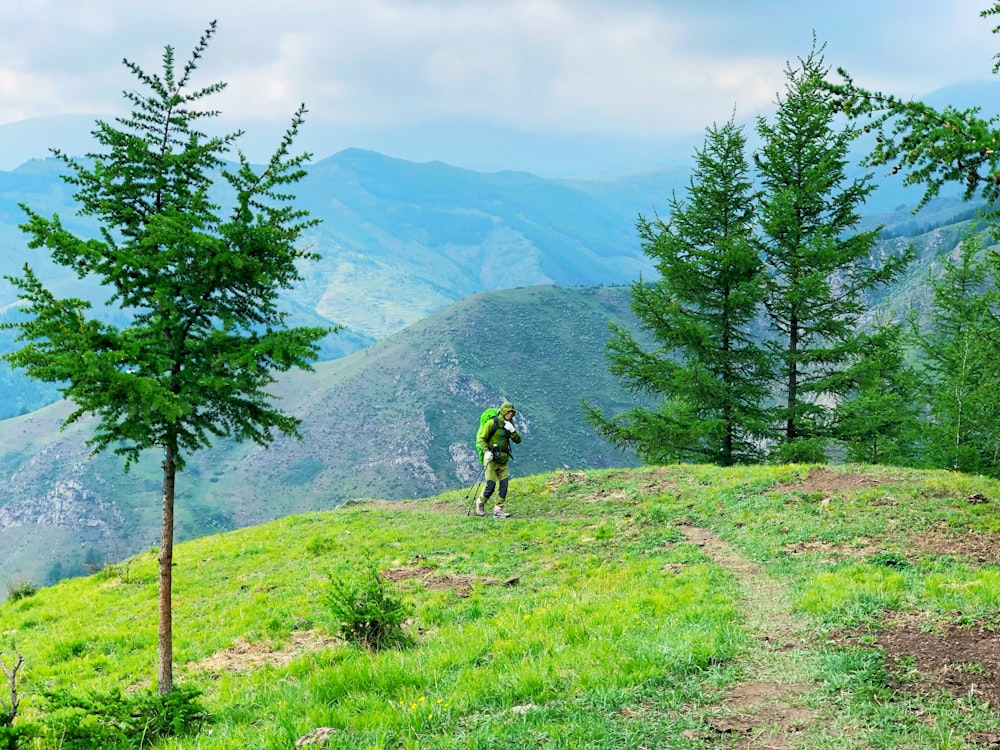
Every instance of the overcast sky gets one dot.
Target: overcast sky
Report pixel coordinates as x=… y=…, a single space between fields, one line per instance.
x=567 y=68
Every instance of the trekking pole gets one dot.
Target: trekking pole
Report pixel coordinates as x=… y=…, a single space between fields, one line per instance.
x=468 y=511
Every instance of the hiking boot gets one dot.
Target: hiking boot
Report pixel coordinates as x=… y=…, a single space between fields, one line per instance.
x=479 y=508
x=500 y=513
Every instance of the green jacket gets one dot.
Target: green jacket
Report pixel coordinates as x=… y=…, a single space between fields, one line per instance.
x=493 y=437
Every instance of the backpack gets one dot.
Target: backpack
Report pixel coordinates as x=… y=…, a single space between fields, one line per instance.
x=491 y=413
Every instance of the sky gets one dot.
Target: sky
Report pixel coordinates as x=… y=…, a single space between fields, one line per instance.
x=478 y=83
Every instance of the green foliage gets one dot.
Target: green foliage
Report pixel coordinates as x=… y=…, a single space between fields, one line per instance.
x=819 y=264
x=707 y=369
x=930 y=147
x=81 y=721
x=21 y=590
x=368 y=611
x=717 y=384
x=878 y=419
x=961 y=363
x=800 y=450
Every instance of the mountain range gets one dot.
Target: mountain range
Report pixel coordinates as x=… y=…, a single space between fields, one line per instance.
x=458 y=289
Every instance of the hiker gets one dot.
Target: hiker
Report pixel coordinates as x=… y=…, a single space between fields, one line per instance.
x=494 y=439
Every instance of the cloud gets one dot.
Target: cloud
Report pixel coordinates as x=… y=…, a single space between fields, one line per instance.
x=636 y=67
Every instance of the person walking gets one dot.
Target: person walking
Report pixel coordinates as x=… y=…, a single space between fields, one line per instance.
x=494 y=439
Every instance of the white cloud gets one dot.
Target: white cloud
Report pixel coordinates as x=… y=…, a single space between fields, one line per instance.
x=639 y=67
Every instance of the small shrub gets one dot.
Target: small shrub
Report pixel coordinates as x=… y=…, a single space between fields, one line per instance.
x=113 y=719
x=368 y=612
x=22 y=590
x=889 y=560
x=318 y=545
x=801 y=451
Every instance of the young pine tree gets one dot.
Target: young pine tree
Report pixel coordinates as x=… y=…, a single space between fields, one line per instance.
x=878 y=420
x=200 y=286
x=708 y=372
x=819 y=266
x=961 y=356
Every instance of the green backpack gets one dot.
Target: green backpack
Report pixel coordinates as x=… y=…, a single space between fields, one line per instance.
x=486 y=416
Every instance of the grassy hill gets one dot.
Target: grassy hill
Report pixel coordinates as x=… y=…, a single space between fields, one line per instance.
x=395 y=420
x=667 y=607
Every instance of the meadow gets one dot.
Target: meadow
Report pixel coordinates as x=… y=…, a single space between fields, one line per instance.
x=685 y=606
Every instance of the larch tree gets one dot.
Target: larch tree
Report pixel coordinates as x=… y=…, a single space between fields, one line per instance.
x=928 y=146
x=200 y=286
x=936 y=147
x=878 y=419
x=959 y=357
x=708 y=372
x=819 y=265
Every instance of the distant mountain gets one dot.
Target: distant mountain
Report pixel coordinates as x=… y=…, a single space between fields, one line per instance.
x=398 y=241
x=393 y=421
x=35 y=137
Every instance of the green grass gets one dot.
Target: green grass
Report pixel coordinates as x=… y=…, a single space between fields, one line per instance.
x=590 y=620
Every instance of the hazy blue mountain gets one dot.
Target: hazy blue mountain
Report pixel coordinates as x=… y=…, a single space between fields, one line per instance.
x=398 y=241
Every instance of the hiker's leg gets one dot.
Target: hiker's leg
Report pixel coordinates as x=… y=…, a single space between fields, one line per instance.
x=503 y=477
x=491 y=480
x=488 y=488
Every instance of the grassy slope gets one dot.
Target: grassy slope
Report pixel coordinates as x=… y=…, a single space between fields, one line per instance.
x=624 y=628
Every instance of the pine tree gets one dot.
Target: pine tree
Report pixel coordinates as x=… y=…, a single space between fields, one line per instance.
x=962 y=367
x=819 y=265
x=878 y=419
x=708 y=371
x=204 y=334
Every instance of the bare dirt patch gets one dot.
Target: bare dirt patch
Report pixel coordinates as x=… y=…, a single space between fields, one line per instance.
x=928 y=659
x=830 y=481
x=761 y=715
x=567 y=477
x=245 y=655
x=974 y=546
x=434 y=580
x=835 y=551
x=981 y=548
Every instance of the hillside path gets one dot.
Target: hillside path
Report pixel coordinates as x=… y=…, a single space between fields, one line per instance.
x=768 y=708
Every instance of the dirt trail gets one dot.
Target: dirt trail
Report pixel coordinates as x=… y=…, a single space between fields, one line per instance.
x=768 y=709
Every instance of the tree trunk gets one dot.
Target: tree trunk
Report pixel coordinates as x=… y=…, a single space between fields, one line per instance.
x=165 y=641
